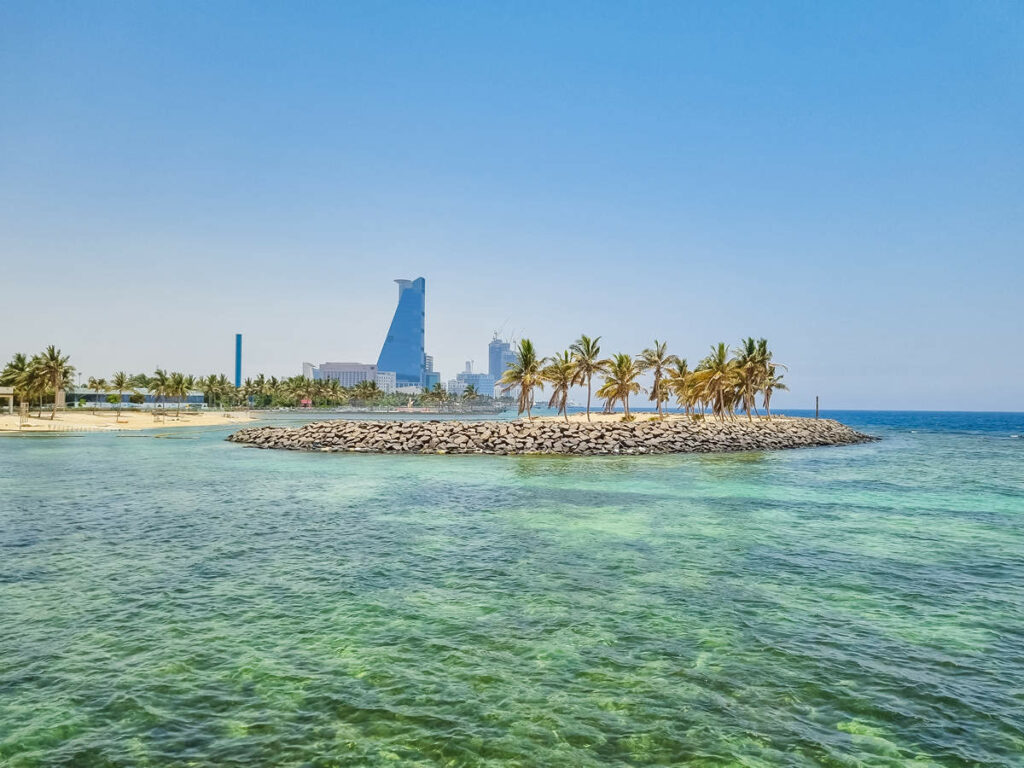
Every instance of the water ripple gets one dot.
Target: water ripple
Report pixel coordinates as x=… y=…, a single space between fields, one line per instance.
x=205 y=604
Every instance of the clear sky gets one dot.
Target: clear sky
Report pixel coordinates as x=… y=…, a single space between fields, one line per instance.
x=846 y=179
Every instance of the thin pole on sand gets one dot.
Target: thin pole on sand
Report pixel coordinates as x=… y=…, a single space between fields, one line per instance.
x=815 y=406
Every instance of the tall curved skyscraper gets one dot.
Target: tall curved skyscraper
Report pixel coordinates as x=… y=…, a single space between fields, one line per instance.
x=403 y=350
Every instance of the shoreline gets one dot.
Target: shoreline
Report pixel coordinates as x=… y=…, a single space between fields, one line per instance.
x=131 y=421
x=552 y=436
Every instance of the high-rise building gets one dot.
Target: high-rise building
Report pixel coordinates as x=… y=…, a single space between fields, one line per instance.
x=403 y=349
x=499 y=355
x=430 y=376
x=483 y=383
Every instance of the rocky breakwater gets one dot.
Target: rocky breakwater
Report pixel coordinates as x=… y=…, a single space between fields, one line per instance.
x=549 y=436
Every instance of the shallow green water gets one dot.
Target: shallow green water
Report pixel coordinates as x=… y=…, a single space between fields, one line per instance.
x=193 y=602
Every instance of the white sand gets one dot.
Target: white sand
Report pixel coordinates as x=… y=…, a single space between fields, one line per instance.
x=104 y=420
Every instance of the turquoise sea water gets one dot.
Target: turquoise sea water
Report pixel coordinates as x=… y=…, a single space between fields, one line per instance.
x=183 y=601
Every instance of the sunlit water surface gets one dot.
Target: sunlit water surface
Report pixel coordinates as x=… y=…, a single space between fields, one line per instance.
x=173 y=601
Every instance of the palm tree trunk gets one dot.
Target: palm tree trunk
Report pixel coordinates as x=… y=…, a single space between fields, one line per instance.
x=588 y=397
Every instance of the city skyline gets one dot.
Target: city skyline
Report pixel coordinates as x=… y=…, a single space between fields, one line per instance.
x=843 y=180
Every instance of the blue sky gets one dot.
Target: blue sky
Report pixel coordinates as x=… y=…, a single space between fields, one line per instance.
x=845 y=179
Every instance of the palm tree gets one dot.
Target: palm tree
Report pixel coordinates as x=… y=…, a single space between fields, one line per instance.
x=439 y=395
x=334 y=391
x=159 y=385
x=657 y=359
x=771 y=383
x=680 y=383
x=716 y=380
x=208 y=386
x=586 y=353
x=620 y=382
x=54 y=367
x=225 y=387
x=17 y=374
x=58 y=372
x=750 y=371
x=243 y=394
x=561 y=373
x=122 y=382
x=36 y=381
x=258 y=390
x=768 y=368
x=189 y=386
x=524 y=373
x=470 y=393
x=367 y=391
x=177 y=389
x=97 y=385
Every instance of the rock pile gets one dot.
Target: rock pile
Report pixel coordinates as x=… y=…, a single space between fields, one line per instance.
x=679 y=435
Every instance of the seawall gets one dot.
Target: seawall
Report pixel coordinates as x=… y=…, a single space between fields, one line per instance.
x=550 y=436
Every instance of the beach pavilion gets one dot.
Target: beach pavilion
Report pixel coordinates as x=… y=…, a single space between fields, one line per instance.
x=7 y=393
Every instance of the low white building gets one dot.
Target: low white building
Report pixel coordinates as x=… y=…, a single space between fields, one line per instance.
x=350 y=374
x=387 y=381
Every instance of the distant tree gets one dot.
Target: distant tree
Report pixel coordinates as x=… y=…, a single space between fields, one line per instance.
x=97 y=385
x=16 y=374
x=367 y=392
x=439 y=395
x=177 y=388
x=160 y=385
x=122 y=382
x=57 y=370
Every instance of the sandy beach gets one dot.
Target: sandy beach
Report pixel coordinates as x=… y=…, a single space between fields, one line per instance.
x=105 y=420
